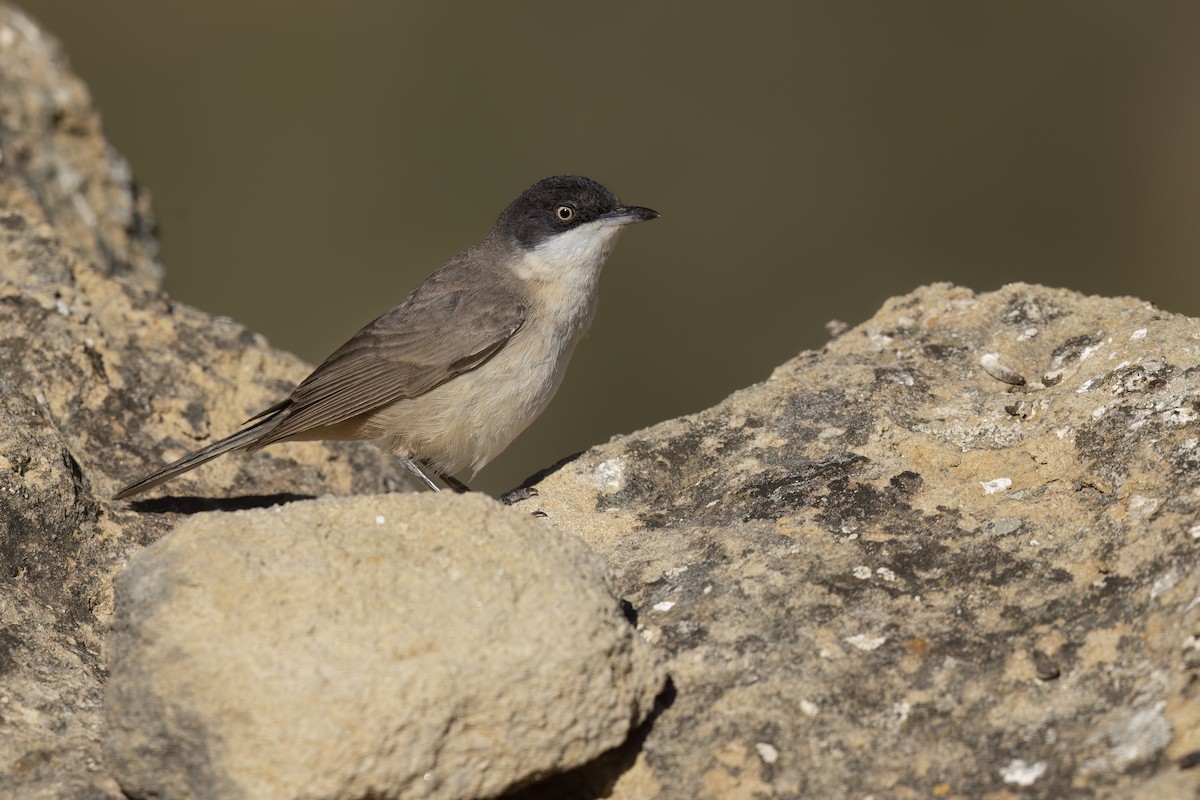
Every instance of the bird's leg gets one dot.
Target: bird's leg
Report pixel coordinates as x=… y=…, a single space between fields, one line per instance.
x=415 y=468
x=419 y=470
x=454 y=483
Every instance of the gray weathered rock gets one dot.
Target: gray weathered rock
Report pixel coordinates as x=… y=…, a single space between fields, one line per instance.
x=386 y=647
x=884 y=572
x=100 y=380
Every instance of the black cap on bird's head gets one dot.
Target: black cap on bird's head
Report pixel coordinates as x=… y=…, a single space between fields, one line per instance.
x=562 y=203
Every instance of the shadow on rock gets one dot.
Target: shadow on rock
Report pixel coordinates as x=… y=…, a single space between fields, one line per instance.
x=597 y=778
x=196 y=505
x=526 y=490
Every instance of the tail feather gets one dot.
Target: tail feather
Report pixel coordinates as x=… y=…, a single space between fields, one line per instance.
x=237 y=441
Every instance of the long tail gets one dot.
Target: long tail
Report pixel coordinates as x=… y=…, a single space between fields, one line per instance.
x=237 y=441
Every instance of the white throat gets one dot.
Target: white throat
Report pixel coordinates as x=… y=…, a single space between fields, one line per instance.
x=572 y=258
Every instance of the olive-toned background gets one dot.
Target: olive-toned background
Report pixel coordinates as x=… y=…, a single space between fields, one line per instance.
x=311 y=162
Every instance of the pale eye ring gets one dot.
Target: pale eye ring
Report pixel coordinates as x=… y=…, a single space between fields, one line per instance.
x=564 y=213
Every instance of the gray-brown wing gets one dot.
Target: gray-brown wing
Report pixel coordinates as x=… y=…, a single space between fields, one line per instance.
x=450 y=324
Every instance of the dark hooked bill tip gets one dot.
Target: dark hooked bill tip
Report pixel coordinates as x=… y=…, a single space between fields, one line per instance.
x=626 y=214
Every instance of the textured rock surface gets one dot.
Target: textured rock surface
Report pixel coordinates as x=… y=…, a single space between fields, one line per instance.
x=886 y=573
x=883 y=572
x=100 y=379
x=387 y=647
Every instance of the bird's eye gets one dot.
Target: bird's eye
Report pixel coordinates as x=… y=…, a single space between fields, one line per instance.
x=564 y=213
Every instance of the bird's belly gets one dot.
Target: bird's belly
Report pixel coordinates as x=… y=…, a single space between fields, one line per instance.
x=471 y=418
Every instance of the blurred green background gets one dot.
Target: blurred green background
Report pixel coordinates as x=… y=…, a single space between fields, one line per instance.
x=311 y=162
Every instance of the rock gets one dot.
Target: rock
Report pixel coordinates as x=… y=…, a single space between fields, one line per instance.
x=388 y=647
x=952 y=554
x=102 y=376
x=888 y=571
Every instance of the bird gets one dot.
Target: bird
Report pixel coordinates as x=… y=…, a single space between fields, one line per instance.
x=445 y=380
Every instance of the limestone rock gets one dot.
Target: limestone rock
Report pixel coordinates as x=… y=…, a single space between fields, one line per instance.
x=953 y=554
x=888 y=571
x=102 y=376
x=385 y=647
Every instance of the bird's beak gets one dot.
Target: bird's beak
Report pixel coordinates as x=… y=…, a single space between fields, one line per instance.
x=626 y=215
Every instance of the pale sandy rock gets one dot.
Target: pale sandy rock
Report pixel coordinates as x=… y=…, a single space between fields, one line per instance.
x=432 y=646
x=102 y=377
x=951 y=555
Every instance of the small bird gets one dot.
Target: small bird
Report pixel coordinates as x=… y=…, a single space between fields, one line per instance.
x=449 y=377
